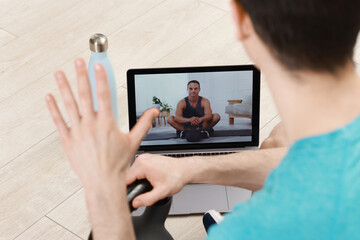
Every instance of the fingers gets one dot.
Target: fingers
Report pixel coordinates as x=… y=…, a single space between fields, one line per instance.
x=103 y=91
x=146 y=199
x=68 y=98
x=56 y=116
x=133 y=174
x=149 y=198
x=194 y=121
x=197 y=121
x=84 y=89
x=143 y=126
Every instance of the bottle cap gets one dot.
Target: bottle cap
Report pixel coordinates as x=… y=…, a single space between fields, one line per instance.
x=98 y=43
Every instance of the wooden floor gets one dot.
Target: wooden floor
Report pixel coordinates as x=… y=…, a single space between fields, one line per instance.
x=40 y=197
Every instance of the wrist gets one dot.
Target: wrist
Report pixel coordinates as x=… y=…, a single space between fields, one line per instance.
x=110 y=217
x=202 y=169
x=189 y=169
x=105 y=189
x=108 y=209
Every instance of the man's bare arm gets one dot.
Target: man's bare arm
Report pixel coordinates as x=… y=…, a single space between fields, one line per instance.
x=207 y=111
x=179 y=112
x=247 y=169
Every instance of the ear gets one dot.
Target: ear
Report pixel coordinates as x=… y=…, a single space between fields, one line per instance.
x=243 y=23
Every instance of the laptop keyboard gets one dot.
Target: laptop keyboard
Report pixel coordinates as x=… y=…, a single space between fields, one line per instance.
x=179 y=155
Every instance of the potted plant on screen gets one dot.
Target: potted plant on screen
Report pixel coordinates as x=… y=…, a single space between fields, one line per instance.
x=165 y=110
x=163 y=107
x=156 y=102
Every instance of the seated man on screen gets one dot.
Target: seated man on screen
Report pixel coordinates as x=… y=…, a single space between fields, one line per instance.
x=194 y=113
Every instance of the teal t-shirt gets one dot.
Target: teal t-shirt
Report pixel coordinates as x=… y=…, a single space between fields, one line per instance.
x=313 y=194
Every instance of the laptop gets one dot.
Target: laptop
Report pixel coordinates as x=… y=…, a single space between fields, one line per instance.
x=234 y=95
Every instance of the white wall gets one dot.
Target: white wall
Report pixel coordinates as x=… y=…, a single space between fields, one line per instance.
x=218 y=87
x=169 y=88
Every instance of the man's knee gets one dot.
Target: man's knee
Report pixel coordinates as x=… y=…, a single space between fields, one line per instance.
x=216 y=117
x=170 y=120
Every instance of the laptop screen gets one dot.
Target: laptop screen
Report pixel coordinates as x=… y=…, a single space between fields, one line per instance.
x=201 y=107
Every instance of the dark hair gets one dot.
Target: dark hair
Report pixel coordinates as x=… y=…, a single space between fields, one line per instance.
x=193 y=81
x=317 y=35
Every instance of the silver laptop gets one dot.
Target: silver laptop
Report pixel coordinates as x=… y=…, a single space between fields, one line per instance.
x=234 y=95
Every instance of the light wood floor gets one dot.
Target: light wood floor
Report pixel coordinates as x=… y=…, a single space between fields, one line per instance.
x=40 y=197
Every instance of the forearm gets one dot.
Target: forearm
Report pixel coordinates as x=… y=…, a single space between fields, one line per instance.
x=181 y=119
x=109 y=212
x=206 y=117
x=246 y=169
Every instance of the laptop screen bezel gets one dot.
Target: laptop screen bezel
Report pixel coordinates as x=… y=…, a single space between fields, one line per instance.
x=131 y=73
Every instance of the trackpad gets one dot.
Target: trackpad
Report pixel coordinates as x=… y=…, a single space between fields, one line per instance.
x=199 y=198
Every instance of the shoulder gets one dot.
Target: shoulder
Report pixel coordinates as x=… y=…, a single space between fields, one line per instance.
x=182 y=102
x=204 y=101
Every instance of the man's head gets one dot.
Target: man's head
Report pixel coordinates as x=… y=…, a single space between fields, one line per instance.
x=193 y=88
x=315 y=35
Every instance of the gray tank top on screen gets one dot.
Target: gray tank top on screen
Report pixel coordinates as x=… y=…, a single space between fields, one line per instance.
x=190 y=112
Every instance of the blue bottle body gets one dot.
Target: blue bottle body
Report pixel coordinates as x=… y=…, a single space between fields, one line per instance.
x=101 y=57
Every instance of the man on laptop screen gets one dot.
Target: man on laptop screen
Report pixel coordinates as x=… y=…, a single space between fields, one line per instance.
x=219 y=106
x=193 y=115
x=233 y=92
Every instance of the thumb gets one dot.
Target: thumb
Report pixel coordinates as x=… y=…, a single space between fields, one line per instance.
x=133 y=174
x=144 y=124
x=149 y=198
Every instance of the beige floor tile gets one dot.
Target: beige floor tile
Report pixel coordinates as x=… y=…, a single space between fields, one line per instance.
x=123 y=109
x=20 y=17
x=186 y=227
x=268 y=109
x=357 y=54
x=266 y=130
x=216 y=45
x=46 y=229
x=25 y=120
x=61 y=38
x=25 y=124
x=32 y=185
x=159 y=32
x=5 y=37
x=72 y=214
x=222 y=4
x=357 y=51
x=357 y=67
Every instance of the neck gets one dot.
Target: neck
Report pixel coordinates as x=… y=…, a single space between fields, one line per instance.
x=193 y=99
x=314 y=103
